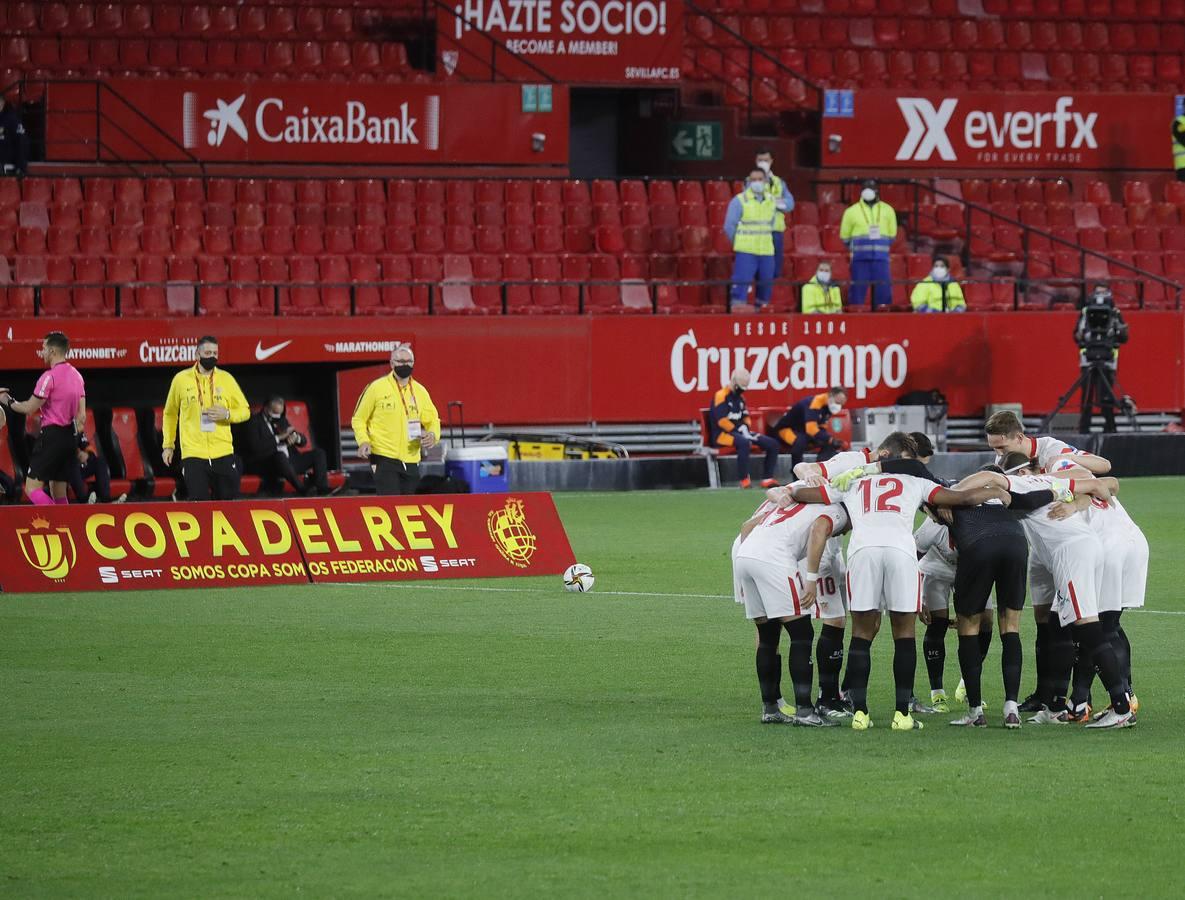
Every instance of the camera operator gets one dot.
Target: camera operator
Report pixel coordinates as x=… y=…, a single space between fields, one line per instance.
x=1099 y=333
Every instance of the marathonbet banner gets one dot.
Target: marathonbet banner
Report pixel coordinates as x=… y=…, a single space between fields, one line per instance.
x=179 y=545
x=578 y=41
x=1002 y=130
x=264 y=121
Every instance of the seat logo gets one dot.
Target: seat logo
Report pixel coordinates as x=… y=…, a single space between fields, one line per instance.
x=927 y=128
x=49 y=551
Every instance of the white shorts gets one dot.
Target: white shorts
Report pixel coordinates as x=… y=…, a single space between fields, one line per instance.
x=1135 y=572
x=936 y=593
x=830 y=599
x=737 y=594
x=884 y=578
x=1072 y=586
x=770 y=591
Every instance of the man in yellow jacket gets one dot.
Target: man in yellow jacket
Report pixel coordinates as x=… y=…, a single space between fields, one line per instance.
x=937 y=292
x=204 y=401
x=821 y=294
x=393 y=422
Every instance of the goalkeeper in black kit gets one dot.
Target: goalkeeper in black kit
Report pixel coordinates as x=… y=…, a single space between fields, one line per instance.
x=992 y=552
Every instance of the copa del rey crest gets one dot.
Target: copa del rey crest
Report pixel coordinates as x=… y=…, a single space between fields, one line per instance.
x=50 y=551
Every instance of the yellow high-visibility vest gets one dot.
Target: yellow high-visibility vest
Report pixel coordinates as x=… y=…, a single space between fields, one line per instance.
x=755 y=230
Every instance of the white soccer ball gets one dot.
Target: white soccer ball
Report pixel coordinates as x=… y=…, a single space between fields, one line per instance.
x=578 y=578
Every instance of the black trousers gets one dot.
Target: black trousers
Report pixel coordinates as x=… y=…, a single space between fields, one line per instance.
x=96 y=469
x=212 y=479
x=293 y=467
x=394 y=477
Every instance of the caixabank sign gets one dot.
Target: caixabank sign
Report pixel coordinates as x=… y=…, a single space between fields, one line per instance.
x=1004 y=130
x=270 y=121
x=348 y=539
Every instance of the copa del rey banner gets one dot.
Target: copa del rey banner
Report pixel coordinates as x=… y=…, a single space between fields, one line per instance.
x=999 y=130
x=275 y=121
x=578 y=41
x=248 y=542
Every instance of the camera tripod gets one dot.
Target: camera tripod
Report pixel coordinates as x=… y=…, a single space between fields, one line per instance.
x=1098 y=386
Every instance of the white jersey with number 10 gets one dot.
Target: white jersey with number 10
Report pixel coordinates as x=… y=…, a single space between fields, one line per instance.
x=882 y=508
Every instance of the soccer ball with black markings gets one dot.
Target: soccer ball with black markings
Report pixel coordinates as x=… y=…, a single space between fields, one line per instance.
x=578 y=578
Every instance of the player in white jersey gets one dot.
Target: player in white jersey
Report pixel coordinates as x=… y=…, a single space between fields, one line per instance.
x=1006 y=434
x=1124 y=580
x=883 y=573
x=833 y=570
x=766 y=573
x=1065 y=574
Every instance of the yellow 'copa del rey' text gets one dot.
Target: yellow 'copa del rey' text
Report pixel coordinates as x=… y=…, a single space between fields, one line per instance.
x=152 y=535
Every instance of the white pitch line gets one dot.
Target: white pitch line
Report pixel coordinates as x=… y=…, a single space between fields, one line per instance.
x=534 y=590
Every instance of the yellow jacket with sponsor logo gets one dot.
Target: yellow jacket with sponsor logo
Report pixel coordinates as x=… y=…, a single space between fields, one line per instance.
x=381 y=417
x=192 y=391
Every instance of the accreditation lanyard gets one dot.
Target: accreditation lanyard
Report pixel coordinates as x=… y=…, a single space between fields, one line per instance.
x=413 y=425
x=874 y=224
x=206 y=424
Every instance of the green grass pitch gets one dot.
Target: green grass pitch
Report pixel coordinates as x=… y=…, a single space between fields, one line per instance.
x=507 y=739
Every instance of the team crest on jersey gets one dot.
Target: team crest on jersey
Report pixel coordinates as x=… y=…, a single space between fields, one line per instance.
x=50 y=551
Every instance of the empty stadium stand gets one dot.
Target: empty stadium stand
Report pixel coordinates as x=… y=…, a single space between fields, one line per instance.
x=1086 y=45
x=259 y=247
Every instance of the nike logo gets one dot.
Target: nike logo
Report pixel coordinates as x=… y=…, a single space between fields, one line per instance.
x=261 y=353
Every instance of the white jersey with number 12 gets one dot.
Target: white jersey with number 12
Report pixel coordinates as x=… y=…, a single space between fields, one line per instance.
x=882 y=508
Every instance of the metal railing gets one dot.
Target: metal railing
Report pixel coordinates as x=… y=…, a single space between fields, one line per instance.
x=496 y=49
x=811 y=102
x=100 y=149
x=1068 y=283
x=428 y=297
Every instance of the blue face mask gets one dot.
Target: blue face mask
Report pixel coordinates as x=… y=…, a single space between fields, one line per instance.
x=757 y=187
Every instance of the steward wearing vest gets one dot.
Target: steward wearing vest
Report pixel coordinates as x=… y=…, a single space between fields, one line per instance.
x=749 y=224
x=936 y=292
x=868 y=229
x=783 y=201
x=820 y=294
x=1179 y=147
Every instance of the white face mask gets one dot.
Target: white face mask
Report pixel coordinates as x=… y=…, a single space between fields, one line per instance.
x=757 y=187
x=823 y=277
x=764 y=166
x=868 y=195
x=834 y=407
x=940 y=273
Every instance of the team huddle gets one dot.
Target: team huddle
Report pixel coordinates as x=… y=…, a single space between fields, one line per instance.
x=1035 y=522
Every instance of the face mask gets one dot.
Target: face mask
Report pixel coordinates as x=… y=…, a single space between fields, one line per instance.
x=940 y=273
x=868 y=195
x=834 y=408
x=823 y=277
x=208 y=363
x=402 y=370
x=764 y=167
x=757 y=187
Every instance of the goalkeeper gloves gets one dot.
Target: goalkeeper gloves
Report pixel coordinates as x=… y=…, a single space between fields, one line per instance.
x=1061 y=490
x=843 y=480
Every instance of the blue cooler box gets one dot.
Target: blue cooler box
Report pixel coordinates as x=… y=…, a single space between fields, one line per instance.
x=485 y=466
